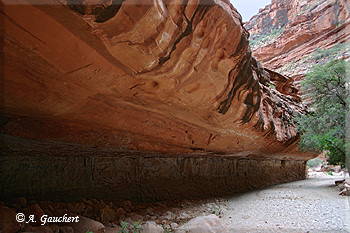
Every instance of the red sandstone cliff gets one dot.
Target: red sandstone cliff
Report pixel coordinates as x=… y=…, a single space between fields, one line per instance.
x=143 y=75
x=291 y=35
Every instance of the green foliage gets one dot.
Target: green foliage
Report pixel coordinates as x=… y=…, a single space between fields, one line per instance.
x=321 y=53
x=88 y=231
x=216 y=210
x=307 y=8
x=340 y=24
x=323 y=128
x=330 y=173
x=124 y=226
x=314 y=162
x=336 y=50
x=318 y=56
x=137 y=227
x=262 y=40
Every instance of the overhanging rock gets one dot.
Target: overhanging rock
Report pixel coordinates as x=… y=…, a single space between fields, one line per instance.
x=147 y=79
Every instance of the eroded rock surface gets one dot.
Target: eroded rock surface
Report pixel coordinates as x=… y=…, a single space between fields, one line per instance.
x=142 y=77
x=288 y=31
x=157 y=76
x=47 y=170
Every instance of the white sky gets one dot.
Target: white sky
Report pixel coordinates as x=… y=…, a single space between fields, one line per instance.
x=248 y=8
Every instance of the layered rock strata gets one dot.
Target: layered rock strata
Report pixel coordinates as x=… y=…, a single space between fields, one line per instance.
x=288 y=32
x=173 y=77
x=48 y=171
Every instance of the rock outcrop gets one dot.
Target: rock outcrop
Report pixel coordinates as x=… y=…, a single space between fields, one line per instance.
x=66 y=171
x=150 y=76
x=286 y=33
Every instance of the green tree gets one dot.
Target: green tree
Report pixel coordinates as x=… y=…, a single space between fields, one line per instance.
x=326 y=92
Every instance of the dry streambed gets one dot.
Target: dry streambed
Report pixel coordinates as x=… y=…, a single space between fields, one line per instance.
x=311 y=205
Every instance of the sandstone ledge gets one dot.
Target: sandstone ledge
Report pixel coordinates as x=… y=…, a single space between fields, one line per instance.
x=150 y=101
x=42 y=170
x=157 y=76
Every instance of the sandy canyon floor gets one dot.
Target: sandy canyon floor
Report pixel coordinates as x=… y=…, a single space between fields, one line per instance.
x=311 y=205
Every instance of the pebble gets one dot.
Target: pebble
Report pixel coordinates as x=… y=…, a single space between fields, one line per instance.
x=174 y=225
x=168 y=215
x=184 y=215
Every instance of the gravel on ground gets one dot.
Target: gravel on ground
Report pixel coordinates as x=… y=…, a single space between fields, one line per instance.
x=311 y=205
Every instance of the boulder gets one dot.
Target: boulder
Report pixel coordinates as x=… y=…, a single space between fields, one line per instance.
x=55 y=228
x=37 y=212
x=184 y=215
x=8 y=223
x=113 y=229
x=21 y=202
x=107 y=214
x=86 y=224
x=174 y=225
x=42 y=229
x=152 y=227
x=345 y=192
x=206 y=224
x=120 y=213
x=134 y=216
x=66 y=229
x=168 y=216
x=338 y=182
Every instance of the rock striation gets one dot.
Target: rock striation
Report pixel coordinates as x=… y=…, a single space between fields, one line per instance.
x=288 y=32
x=144 y=77
x=66 y=172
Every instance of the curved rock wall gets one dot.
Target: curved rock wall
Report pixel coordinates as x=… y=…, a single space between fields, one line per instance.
x=158 y=76
x=175 y=77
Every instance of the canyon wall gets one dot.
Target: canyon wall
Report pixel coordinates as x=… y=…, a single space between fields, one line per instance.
x=142 y=78
x=66 y=171
x=290 y=36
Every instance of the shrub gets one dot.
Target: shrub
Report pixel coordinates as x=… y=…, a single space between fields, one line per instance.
x=323 y=127
x=314 y=162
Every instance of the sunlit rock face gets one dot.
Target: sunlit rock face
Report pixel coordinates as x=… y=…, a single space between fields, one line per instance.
x=173 y=77
x=304 y=26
